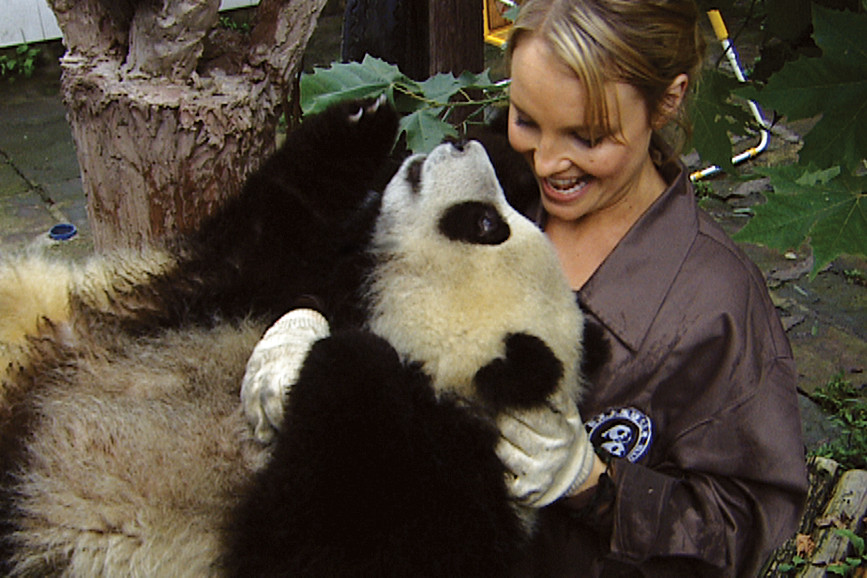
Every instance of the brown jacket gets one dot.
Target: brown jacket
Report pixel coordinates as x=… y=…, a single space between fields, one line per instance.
x=697 y=397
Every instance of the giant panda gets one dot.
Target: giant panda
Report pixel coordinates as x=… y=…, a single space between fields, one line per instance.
x=124 y=447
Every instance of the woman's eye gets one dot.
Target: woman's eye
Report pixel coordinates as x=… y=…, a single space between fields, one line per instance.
x=524 y=122
x=586 y=140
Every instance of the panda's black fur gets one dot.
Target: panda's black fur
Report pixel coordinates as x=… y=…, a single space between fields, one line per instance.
x=298 y=227
x=385 y=464
x=381 y=478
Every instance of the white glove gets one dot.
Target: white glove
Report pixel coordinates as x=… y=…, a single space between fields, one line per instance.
x=546 y=451
x=274 y=365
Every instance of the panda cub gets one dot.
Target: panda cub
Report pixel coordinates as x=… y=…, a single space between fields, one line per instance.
x=385 y=464
x=125 y=450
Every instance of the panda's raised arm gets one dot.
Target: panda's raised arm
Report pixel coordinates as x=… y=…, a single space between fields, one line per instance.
x=307 y=208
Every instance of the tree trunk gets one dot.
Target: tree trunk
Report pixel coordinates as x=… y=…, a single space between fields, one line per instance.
x=456 y=40
x=169 y=114
x=421 y=37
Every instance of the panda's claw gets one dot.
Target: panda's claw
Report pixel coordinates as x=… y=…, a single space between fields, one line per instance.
x=381 y=99
x=372 y=108
x=356 y=116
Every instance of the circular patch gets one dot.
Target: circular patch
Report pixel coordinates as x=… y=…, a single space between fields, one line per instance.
x=623 y=433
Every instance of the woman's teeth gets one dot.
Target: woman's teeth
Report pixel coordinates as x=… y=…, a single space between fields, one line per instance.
x=567 y=186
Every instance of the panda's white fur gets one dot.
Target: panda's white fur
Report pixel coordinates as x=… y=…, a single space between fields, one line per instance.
x=135 y=448
x=449 y=304
x=33 y=287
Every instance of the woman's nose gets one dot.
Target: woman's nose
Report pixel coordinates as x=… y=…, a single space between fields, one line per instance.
x=549 y=158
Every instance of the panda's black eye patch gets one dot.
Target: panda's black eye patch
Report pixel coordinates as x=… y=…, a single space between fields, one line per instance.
x=413 y=174
x=474 y=222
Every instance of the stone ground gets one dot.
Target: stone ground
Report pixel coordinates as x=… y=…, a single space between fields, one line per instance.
x=40 y=186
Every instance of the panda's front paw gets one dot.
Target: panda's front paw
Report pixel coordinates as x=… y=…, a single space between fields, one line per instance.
x=273 y=368
x=368 y=127
x=367 y=108
x=525 y=377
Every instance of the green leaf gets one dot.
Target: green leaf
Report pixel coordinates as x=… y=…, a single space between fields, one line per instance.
x=440 y=88
x=833 y=86
x=857 y=541
x=424 y=130
x=349 y=80
x=512 y=13
x=480 y=81
x=830 y=211
x=716 y=118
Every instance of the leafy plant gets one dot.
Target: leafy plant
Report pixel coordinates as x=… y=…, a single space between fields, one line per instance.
x=847 y=407
x=857 y=560
x=796 y=563
x=827 y=206
x=235 y=25
x=820 y=199
x=21 y=61
x=426 y=106
x=717 y=117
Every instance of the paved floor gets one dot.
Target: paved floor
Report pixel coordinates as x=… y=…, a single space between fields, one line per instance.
x=40 y=184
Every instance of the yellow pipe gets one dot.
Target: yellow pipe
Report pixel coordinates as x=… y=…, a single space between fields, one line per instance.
x=719 y=27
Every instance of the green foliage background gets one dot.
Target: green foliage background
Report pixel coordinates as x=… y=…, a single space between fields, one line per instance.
x=822 y=75
x=812 y=65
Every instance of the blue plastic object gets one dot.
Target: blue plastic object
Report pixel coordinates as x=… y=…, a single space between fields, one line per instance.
x=62 y=231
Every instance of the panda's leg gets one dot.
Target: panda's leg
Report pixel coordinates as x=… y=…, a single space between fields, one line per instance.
x=326 y=166
x=527 y=374
x=373 y=474
x=59 y=300
x=303 y=212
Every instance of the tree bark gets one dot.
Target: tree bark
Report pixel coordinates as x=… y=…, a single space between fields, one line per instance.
x=456 y=40
x=169 y=115
x=421 y=37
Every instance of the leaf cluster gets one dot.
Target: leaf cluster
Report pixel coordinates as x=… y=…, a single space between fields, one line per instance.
x=19 y=62
x=858 y=559
x=427 y=107
x=819 y=75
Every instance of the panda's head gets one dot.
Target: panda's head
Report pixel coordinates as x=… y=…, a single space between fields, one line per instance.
x=457 y=270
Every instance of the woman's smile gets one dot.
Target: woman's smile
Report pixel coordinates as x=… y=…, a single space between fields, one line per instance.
x=564 y=190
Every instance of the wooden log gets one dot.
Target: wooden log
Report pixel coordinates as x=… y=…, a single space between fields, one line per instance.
x=836 y=499
x=846 y=509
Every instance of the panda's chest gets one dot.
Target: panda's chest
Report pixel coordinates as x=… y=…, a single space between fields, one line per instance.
x=452 y=325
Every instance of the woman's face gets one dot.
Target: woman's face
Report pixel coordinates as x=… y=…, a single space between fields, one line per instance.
x=546 y=124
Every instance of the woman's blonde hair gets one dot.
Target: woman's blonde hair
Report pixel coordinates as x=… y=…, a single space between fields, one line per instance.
x=644 y=43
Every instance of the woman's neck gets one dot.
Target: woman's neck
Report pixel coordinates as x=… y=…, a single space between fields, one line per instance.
x=582 y=245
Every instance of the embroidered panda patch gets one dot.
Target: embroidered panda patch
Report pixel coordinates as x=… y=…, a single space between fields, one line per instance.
x=623 y=433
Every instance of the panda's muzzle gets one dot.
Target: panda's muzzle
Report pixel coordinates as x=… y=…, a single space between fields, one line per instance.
x=474 y=222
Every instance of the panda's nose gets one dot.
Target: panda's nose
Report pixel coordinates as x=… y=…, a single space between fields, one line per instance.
x=459 y=145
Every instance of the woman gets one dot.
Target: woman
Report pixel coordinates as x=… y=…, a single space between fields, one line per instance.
x=695 y=407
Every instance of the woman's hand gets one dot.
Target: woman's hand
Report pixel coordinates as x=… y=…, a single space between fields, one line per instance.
x=547 y=452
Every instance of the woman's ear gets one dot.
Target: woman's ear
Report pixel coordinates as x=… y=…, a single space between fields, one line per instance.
x=671 y=100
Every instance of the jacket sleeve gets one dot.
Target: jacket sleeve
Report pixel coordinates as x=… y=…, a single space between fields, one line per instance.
x=729 y=490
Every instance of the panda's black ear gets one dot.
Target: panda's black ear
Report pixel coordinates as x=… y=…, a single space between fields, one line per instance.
x=474 y=222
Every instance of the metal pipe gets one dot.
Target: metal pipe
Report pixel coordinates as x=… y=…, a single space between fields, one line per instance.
x=719 y=29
